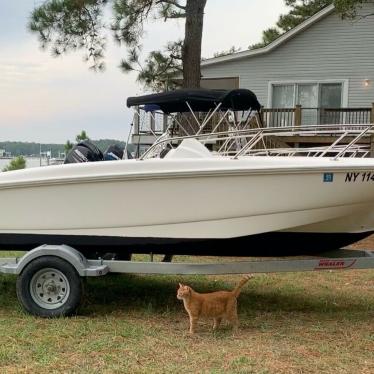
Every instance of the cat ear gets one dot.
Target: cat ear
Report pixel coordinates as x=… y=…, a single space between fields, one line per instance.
x=180 y=285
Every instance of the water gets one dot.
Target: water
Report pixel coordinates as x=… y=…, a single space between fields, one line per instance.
x=31 y=162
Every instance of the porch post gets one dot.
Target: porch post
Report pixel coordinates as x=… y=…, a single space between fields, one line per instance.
x=261 y=117
x=297 y=116
x=153 y=121
x=136 y=120
x=372 y=114
x=164 y=122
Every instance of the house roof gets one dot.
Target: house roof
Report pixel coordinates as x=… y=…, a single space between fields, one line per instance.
x=282 y=39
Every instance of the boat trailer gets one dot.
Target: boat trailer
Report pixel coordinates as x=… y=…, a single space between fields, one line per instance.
x=49 y=277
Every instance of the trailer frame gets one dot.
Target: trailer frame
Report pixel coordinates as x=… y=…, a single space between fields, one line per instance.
x=71 y=266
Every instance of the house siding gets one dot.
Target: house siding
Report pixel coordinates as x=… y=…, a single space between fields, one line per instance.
x=331 y=49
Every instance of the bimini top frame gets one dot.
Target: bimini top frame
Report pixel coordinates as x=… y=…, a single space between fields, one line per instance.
x=198 y=100
x=194 y=112
x=230 y=120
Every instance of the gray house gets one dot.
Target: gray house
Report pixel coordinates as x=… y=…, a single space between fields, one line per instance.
x=323 y=63
x=320 y=72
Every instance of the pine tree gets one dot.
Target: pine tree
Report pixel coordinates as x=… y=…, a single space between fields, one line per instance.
x=82 y=136
x=68 y=146
x=65 y=25
x=301 y=10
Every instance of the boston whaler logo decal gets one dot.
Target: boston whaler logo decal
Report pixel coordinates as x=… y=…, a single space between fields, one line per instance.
x=330 y=264
x=367 y=176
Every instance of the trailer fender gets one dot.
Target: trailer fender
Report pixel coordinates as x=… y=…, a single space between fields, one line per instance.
x=69 y=254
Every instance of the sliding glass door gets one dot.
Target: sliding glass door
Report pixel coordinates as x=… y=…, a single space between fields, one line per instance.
x=307 y=97
x=313 y=97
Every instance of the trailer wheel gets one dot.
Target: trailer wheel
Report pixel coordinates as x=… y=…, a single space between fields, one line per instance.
x=49 y=287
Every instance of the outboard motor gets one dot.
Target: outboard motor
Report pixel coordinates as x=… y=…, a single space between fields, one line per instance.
x=114 y=152
x=84 y=151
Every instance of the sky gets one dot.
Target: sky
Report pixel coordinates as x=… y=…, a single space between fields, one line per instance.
x=49 y=100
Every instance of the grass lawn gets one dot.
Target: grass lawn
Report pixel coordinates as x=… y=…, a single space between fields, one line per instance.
x=321 y=322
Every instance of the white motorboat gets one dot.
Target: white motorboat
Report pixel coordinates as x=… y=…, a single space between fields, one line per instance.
x=194 y=201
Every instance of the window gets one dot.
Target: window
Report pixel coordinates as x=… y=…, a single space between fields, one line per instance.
x=307 y=95
x=331 y=95
x=283 y=96
x=310 y=95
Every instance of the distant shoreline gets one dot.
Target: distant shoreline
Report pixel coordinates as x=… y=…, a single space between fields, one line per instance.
x=12 y=157
x=24 y=148
x=31 y=162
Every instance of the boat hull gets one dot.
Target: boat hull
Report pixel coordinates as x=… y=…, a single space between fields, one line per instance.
x=190 y=206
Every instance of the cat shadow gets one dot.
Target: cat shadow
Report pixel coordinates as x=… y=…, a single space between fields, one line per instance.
x=158 y=296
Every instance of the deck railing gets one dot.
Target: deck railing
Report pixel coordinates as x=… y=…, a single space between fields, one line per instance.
x=302 y=116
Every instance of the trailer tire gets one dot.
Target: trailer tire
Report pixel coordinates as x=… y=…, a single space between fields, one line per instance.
x=49 y=287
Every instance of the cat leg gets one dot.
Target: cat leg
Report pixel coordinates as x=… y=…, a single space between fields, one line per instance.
x=232 y=316
x=217 y=322
x=193 y=323
x=235 y=322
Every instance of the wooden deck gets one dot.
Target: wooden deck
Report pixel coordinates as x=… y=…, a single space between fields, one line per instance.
x=299 y=116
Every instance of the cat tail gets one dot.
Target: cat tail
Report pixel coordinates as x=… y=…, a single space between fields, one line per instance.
x=236 y=291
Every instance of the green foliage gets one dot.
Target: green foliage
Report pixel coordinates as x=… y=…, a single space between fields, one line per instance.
x=68 y=146
x=65 y=25
x=16 y=164
x=131 y=15
x=232 y=50
x=268 y=36
x=349 y=9
x=301 y=10
x=159 y=68
x=82 y=136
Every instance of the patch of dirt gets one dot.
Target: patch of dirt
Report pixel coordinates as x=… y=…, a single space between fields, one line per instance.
x=367 y=243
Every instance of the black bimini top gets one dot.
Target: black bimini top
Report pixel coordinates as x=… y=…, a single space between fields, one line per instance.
x=200 y=100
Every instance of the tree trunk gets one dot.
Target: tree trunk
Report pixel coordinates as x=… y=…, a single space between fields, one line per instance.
x=191 y=54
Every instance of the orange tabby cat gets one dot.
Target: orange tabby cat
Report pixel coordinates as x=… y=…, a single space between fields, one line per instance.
x=219 y=305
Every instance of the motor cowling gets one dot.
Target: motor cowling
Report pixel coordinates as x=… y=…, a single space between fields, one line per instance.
x=84 y=151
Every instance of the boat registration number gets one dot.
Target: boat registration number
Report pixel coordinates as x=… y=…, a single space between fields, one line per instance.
x=367 y=176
